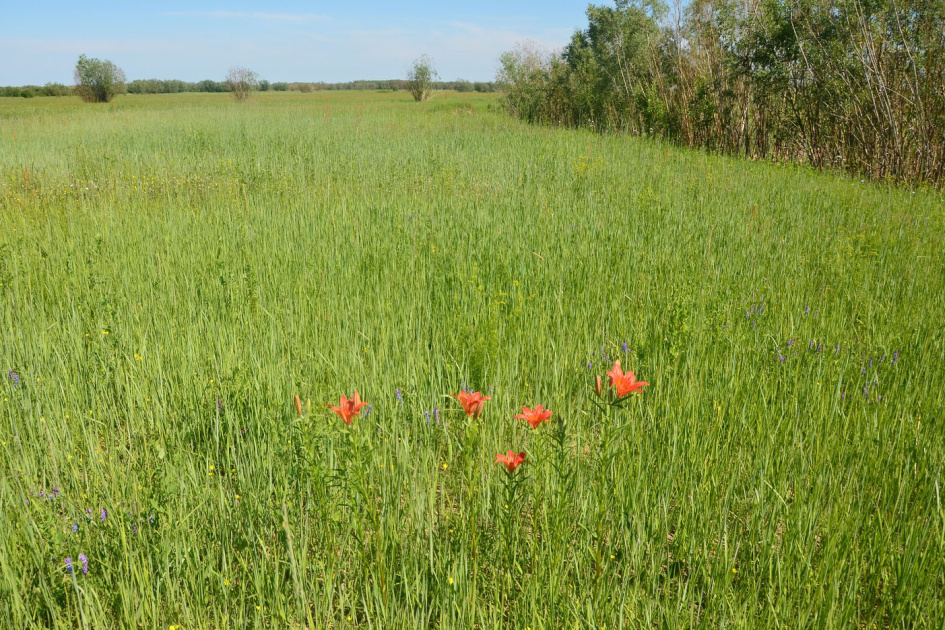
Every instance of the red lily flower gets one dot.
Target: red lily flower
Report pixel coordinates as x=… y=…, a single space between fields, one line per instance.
x=472 y=403
x=624 y=383
x=534 y=416
x=511 y=460
x=349 y=408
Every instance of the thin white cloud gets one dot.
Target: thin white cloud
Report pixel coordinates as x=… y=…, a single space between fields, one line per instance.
x=252 y=15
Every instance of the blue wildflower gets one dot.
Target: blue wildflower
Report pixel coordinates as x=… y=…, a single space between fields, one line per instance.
x=399 y=398
x=85 y=563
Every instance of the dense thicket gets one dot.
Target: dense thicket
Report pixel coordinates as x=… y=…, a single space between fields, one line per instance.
x=854 y=84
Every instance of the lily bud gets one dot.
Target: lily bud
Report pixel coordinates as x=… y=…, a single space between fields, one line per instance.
x=298 y=404
x=597 y=386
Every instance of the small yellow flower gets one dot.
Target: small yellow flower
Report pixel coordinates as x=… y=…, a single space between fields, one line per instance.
x=445 y=466
x=451 y=580
x=226 y=582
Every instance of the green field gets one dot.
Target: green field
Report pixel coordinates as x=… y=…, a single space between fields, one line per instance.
x=175 y=269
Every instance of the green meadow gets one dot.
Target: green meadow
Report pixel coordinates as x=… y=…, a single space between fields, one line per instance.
x=175 y=269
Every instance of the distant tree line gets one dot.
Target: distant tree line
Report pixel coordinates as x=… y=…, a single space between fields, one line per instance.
x=852 y=84
x=175 y=86
x=29 y=91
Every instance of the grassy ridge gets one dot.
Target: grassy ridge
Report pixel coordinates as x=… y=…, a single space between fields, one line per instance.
x=175 y=268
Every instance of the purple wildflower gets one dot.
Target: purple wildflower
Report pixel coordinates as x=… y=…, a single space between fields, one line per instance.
x=88 y=511
x=810 y=346
x=589 y=365
x=14 y=377
x=75 y=528
x=399 y=399
x=151 y=518
x=55 y=492
x=790 y=342
x=103 y=515
x=895 y=356
x=134 y=529
x=219 y=404
x=871 y=362
x=367 y=411
x=436 y=415
x=69 y=565
x=427 y=414
x=819 y=347
x=85 y=563
x=807 y=310
x=625 y=348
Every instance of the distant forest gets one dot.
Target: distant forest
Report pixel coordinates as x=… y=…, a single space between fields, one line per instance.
x=175 y=86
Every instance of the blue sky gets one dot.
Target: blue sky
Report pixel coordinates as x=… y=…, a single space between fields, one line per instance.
x=282 y=41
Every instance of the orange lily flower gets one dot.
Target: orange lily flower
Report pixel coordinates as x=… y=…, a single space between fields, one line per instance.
x=534 y=416
x=298 y=404
x=472 y=403
x=597 y=386
x=624 y=383
x=511 y=460
x=349 y=408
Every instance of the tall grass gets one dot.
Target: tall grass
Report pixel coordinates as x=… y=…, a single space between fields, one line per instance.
x=174 y=269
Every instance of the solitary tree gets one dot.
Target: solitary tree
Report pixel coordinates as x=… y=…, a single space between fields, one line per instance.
x=97 y=80
x=242 y=82
x=421 y=77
